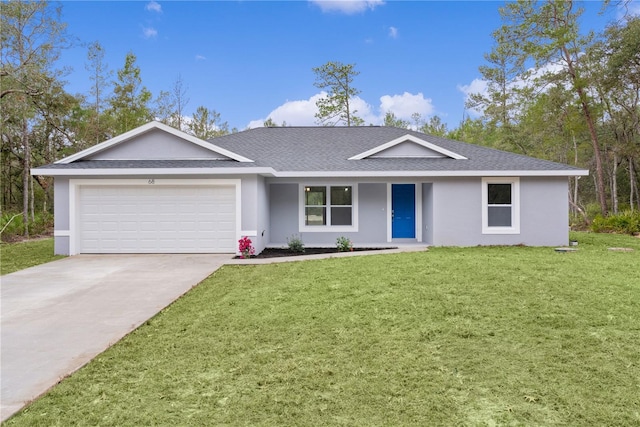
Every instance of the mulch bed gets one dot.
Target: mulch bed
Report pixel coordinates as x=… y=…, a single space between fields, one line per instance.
x=283 y=252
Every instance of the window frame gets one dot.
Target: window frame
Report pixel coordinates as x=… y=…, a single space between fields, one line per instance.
x=515 y=206
x=303 y=227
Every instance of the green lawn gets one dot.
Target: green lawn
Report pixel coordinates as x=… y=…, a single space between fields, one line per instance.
x=18 y=256
x=453 y=336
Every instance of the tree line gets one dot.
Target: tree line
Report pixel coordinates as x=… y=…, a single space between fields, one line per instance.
x=552 y=92
x=41 y=122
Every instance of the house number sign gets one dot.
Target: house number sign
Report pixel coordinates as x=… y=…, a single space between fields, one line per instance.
x=151 y=181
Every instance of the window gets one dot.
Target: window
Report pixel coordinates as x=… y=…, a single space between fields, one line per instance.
x=341 y=206
x=500 y=206
x=315 y=206
x=328 y=207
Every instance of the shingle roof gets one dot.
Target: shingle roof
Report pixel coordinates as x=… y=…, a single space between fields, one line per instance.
x=149 y=164
x=329 y=148
x=288 y=151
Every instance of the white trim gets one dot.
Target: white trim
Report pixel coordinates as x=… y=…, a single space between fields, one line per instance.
x=151 y=171
x=515 y=206
x=428 y=174
x=389 y=219
x=159 y=159
x=317 y=174
x=406 y=138
x=302 y=227
x=61 y=233
x=74 y=193
x=146 y=128
x=249 y=233
x=418 y=212
x=238 y=184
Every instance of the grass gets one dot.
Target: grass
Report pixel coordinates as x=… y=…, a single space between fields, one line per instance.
x=18 y=256
x=453 y=336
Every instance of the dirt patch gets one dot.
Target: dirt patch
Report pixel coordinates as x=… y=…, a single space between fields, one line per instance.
x=22 y=239
x=284 y=252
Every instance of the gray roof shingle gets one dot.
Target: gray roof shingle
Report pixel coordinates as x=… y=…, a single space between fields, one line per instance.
x=148 y=164
x=328 y=149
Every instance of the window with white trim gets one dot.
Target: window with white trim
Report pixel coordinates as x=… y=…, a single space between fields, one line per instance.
x=500 y=205
x=328 y=207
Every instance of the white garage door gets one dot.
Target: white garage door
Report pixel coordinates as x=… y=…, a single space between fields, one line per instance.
x=157 y=219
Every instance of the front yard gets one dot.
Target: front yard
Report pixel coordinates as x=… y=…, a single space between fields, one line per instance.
x=21 y=255
x=453 y=336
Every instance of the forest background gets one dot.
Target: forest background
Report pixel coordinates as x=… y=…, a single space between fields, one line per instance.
x=553 y=92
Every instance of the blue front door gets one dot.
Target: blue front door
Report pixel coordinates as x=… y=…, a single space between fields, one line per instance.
x=403 y=211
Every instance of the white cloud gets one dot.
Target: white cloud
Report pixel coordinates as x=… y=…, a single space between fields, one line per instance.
x=153 y=6
x=476 y=86
x=200 y=57
x=393 y=32
x=149 y=32
x=302 y=113
x=348 y=7
x=364 y=111
x=403 y=106
x=295 y=113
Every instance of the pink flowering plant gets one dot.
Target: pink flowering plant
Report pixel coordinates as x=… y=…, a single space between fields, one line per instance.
x=245 y=247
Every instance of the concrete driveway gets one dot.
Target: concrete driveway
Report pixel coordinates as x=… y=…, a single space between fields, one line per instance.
x=56 y=317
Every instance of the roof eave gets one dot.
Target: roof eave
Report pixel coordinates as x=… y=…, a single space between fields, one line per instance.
x=44 y=171
x=427 y=174
x=267 y=171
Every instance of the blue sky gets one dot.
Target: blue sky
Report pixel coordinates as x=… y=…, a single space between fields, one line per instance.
x=250 y=60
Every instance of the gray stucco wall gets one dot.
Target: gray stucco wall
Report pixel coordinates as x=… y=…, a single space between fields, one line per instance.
x=61 y=215
x=427 y=213
x=543 y=213
x=372 y=217
x=456 y=211
x=372 y=213
x=262 y=211
x=451 y=214
x=156 y=145
x=249 y=201
x=408 y=149
x=255 y=211
x=283 y=212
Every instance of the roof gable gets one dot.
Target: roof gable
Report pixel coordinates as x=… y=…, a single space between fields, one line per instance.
x=294 y=152
x=155 y=141
x=408 y=146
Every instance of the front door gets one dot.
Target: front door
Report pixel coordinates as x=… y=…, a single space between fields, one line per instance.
x=403 y=211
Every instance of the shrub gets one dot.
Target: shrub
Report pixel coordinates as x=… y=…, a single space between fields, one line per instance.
x=344 y=244
x=295 y=244
x=592 y=210
x=12 y=225
x=245 y=247
x=626 y=222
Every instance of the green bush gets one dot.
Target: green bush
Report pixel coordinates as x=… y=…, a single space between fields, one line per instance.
x=626 y=222
x=295 y=244
x=344 y=244
x=593 y=210
x=12 y=225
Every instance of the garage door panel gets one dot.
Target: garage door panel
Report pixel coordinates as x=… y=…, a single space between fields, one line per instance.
x=156 y=219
